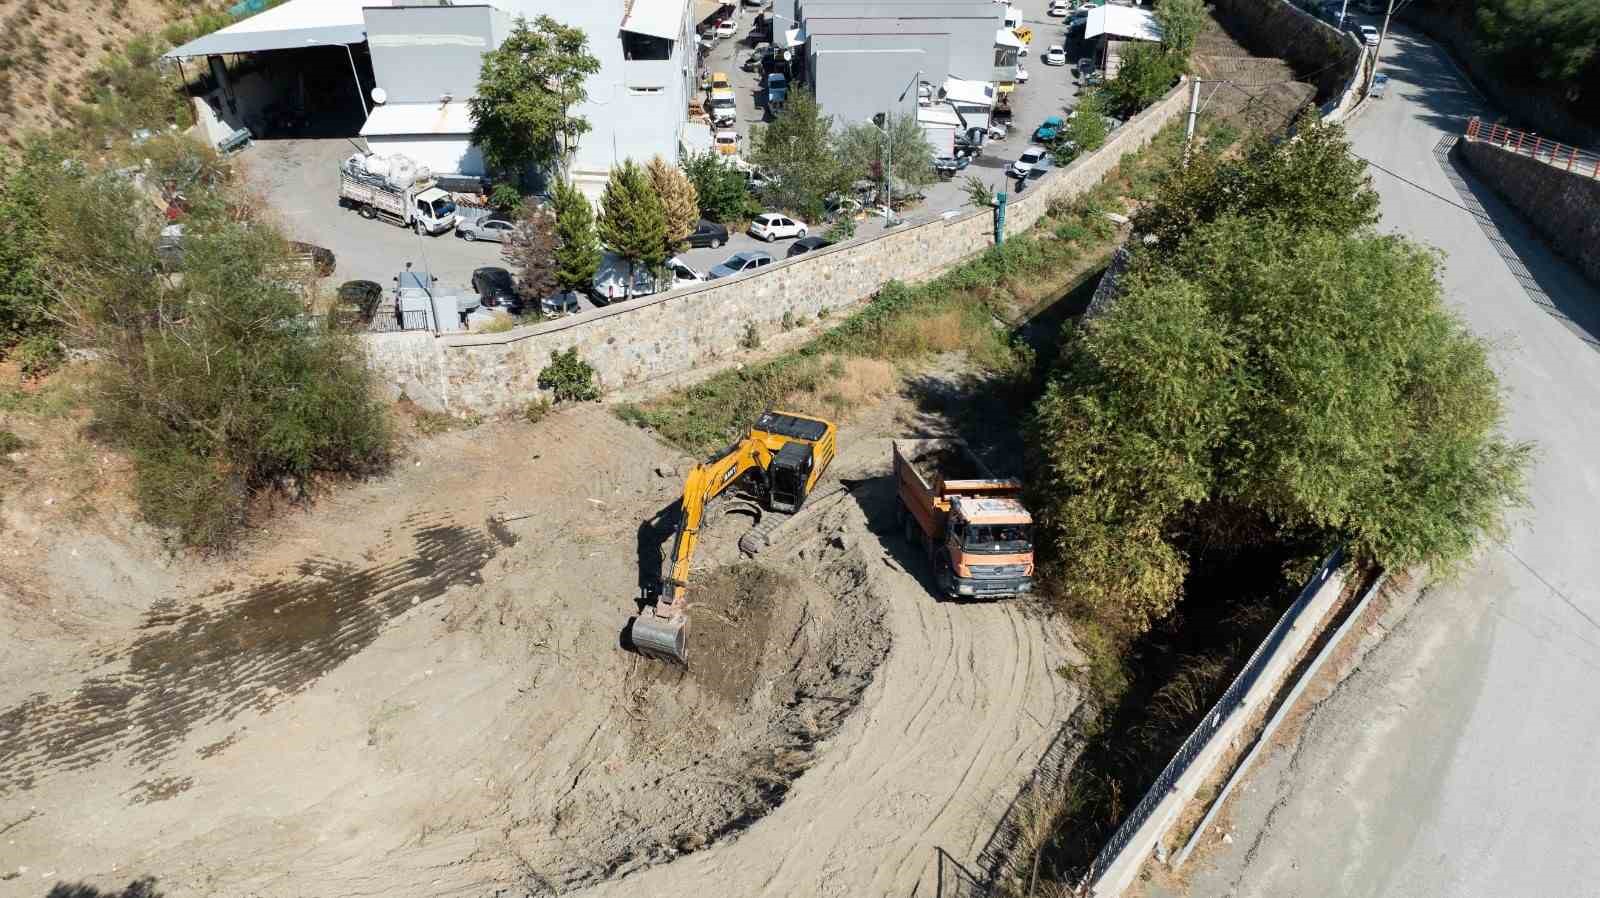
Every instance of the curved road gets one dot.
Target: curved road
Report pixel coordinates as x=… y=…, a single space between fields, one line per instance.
x=1460 y=759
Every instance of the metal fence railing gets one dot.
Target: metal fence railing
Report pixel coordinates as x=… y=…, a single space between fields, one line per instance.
x=1230 y=702
x=1534 y=146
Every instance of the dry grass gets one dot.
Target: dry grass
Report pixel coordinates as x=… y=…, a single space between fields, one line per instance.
x=945 y=332
x=848 y=382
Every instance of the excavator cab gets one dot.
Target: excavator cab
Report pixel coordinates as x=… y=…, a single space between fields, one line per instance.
x=783 y=455
x=789 y=477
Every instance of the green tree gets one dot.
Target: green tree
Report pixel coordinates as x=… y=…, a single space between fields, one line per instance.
x=632 y=222
x=799 y=148
x=577 y=252
x=867 y=151
x=1309 y=182
x=24 y=244
x=723 y=192
x=1146 y=72
x=679 y=203
x=527 y=89
x=1085 y=131
x=1181 y=22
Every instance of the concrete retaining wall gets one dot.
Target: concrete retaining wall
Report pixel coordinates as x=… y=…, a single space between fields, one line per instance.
x=1306 y=625
x=637 y=341
x=1563 y=207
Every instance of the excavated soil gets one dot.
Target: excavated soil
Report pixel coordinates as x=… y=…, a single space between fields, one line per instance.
x=417 y=688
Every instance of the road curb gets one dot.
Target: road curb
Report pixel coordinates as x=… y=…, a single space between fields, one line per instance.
x=1278 y=718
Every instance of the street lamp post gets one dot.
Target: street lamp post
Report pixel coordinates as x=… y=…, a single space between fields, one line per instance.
x=888 y=140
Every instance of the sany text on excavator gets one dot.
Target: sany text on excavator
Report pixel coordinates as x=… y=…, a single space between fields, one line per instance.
x=778 y=462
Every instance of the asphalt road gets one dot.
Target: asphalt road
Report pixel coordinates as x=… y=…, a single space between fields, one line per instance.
x=1459 y=760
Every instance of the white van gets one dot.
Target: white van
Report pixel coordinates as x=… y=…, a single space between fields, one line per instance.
x=610 y=282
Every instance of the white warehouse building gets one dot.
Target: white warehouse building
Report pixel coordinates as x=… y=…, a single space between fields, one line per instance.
x=425 y=56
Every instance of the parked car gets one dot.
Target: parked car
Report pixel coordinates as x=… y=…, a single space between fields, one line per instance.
x=1055 y=55
x=358 y=301
x=496 y=288
x=726 y=28
x=805 y=245
x=777 y=90
x=1370 y=35
x=1022 y=74
x=493 y=228
x=728 y=143
x=708 y=233
x=1031 y=157
x=948 y=167
x=738 y=263
x=719 y=81
x=1380 y=85
x=770 y=226
x=1059 y=8
x=998 y=130
x=1049 y=129
x=560 y=304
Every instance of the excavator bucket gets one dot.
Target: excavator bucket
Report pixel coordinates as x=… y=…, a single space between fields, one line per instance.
x=666 y=638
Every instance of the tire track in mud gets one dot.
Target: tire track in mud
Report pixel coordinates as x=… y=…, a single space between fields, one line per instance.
x=208 y=662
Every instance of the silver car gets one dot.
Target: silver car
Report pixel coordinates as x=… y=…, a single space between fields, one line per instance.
x=497 y=229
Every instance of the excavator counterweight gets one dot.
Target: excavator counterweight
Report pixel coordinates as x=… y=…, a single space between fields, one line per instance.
x=778 y=461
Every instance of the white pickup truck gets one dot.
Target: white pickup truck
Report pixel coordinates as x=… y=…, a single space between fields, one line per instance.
x=419 y=205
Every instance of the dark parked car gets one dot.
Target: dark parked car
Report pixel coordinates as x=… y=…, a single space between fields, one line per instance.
x=805 y=245
x=708 y=233
x=496 y=287
x=738 y=263
x=358 y=302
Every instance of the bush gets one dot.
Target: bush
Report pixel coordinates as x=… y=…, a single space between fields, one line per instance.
x=39 y=354
x=10 y=442
x=569 y=378
x=534 y=412
x=752 y=336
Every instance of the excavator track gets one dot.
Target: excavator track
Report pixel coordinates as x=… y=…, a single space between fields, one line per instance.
x=774 y=527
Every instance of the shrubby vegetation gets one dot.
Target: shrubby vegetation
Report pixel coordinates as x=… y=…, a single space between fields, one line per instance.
x=1554 y=43
x=569 y=378
x=1272 y=369
x=209 y=373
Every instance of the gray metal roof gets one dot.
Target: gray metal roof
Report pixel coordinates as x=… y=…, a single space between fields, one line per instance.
x=219 y=42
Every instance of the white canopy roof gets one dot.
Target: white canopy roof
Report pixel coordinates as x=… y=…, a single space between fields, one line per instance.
x=1122 y=21
x=961 y=90
x=1005 y=37
x=657 y=18
x=297 y=23
x=419 y=118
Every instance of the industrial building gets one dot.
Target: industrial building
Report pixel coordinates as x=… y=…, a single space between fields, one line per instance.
x=400 y=73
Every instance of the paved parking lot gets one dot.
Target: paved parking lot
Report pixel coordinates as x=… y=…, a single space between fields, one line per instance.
x=299 y=179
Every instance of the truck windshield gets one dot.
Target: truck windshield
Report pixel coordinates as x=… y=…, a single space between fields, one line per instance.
x=442 y=208
x=999 y=537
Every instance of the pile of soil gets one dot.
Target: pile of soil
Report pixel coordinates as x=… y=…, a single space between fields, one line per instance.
x=779 y=657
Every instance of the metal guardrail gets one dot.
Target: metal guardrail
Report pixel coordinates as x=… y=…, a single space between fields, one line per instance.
x=1534 y=146
x=1230 y=702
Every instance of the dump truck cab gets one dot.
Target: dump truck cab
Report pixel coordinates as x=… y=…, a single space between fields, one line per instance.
x=989 y=543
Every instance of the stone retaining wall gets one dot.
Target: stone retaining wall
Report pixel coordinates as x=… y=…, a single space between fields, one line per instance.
x=1562 y=206
x=633 y=342
x=1317 y=51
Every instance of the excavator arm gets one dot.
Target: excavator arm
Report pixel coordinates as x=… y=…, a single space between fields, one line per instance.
x=665 y=632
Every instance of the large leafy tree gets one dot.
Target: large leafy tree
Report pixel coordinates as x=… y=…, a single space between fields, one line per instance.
x=1145 y=73
x=1181 y=22
x=527 y=89
x=577 y=252
x=1272 y=369
x=632 y=222
x=798 y=147
x=1309 y=182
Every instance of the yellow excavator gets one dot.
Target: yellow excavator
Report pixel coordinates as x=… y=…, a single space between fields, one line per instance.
x=778 y=462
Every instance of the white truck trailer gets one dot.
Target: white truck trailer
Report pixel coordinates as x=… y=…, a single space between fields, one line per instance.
x=398 y=197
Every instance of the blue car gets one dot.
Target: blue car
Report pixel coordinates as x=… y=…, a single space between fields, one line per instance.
x=1049 y=130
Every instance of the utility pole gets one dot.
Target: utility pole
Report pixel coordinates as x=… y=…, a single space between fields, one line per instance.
x=1383 y=35
x=1342 y=8
x=1194 y=116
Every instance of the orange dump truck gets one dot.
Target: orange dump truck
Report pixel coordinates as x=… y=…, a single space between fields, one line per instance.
x=971 y=523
